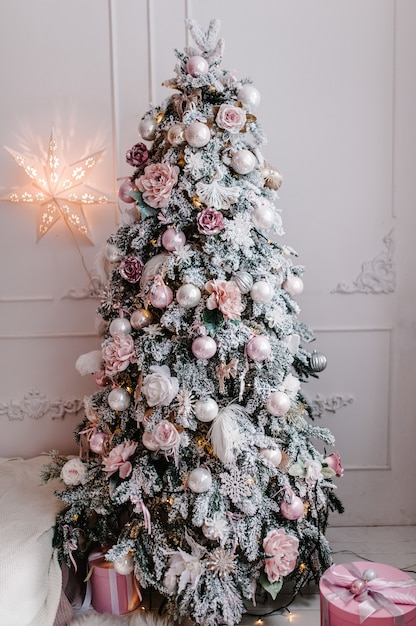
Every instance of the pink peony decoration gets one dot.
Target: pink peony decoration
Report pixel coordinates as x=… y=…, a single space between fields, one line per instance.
x=225 y=296
x=157 y=182
x=117 y=460
x=118 y=354
x=282 y=551
x=131 y=269
x=210 y=221
x=334 y=462
x=138 y=155
x=231 y=118
x=165 y=435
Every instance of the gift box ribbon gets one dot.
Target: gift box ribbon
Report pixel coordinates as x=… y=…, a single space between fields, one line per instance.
x=378 y=593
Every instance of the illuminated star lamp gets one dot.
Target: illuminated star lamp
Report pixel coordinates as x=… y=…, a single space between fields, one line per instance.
x=58 y=189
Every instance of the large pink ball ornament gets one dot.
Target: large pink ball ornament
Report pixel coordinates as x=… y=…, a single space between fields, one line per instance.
x=161 y=296
x=123 y=192
x=140 y=319
x=278 y=403
x=292 y=510
x=119 y=399
x=293 y=285
x=203 y=347
x=200 y=480
x=147 y=128
x=258 y=348
x=173 y=239
x=249 y=96
x=273 y=455
x=197 y=65
x=197 y=134
x=243 y=161
x=188 y=296
x=120 y=326
x=97 y=442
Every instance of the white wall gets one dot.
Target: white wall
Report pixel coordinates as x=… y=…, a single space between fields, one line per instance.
x=338 y=107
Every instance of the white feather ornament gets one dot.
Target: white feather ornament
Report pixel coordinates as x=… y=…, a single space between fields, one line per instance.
x=224 y=433
x=153 y=267
x=89 y=363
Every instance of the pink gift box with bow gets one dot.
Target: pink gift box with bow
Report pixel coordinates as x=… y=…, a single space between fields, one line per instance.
x=111 y=592
x=367 y=593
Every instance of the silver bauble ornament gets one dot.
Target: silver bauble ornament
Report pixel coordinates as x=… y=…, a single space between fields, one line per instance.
x=317 y=361
x=119 y=399
x=120 y=326
x=244 y=281
x=147 y=128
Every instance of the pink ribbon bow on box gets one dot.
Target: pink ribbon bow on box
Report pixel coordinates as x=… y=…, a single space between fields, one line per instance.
x=372 y=593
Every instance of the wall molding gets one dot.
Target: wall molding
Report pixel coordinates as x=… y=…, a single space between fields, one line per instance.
x=35 y=405
x=331 y=404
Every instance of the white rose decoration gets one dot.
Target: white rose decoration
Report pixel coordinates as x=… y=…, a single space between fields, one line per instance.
x=73 y=472
x=231 y=118
x=291 y=385
x=159 y=388
x=313 y=471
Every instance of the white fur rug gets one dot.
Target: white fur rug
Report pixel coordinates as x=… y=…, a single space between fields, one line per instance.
x=135 y=619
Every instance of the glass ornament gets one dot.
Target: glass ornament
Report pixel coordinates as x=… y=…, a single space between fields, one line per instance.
x=293 y=285
x=197 y=134
x=258 y=348
x=317 y=361
x=112 y=253
x=292 y=510
x=123 y=192
x=200 y=480
x=249 y=96
x=175 y=134
x=196 y=65
x=97 y=442
x=140 y=319
x=119 y=399
x=370 y=574
x=244 y=281
x=188 y=296
x=120 y=326
x=263 y=217
x=243 y=161
x=274 y=455
x=147 y=128
x=161 y=296
x=206 y=409
x=173 y=239
x=204 y=347
x=149 y=442
x=278 y=403
x=124 y=565
x=262 y=292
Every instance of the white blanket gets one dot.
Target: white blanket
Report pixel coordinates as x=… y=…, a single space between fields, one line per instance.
x=30 y=576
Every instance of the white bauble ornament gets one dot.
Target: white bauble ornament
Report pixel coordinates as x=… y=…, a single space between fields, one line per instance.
x=112 y=253
x=273 y=455
x=244 y=281
x=200 y=480
x=206 y=409
x=119 y=399
x=197 y=134
x=243 y=161
x=370 y=574
x=120 y=326
x=249 y=96
x=175 y=134
x=140 y=319
x=263 y=217
x=293 y=285
x=278 y=403
x=147 y=129
x=188 y=296
x=124 y=565
x=262 y=292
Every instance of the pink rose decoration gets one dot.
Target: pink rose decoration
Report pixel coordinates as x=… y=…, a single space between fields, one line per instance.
x=210 y=221
x=117 y=460
x=73 y=472
x=118 y=354
x=225 y=296
x=334 y=462
x=282 y=551
x=165 y=435
x=157 y=182
x=138 y=155
x=231 y=118
x=131 y=269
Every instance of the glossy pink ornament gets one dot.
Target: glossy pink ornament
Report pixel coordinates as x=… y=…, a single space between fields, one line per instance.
x=258 y=348
x=173 y=239
x=197 y=65
x=243 y=161
x=125 y=187
x=293 y=285
x=197 y=134
x=97 y=442
x=292 y=510
x=149 y=442
x=204 y=347
x=358 y=586
x=140 y=319
x=278 y=403
x=161 y=296
x=101 y=379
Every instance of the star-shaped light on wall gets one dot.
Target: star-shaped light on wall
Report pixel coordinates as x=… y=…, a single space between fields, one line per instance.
x=58 y=189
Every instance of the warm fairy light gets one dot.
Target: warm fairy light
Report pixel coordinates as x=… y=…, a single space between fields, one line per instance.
x=259 y=622
x=292 y=617
x=50 y=183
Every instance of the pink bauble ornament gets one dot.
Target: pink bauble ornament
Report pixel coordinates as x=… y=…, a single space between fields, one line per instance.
x=243 y=161
x=292 y=510
x=273 y=455
x=124 y=565
x=249 y=96
x=204 y=347
x=125 y=187
x=147 y=128
x=119 y=399
x=97 y=442
x=197 y=134
x=120 y=326
x=197 y=65
x=140 y=319
x=278 y=403
x=173 y=239
x=161 y=296
x=258 y=348
x=101 y=379
x=175 y=134
x=149 y=442
x=188 y=295
x=358 y=586
x=200 y=480
x=293 y=285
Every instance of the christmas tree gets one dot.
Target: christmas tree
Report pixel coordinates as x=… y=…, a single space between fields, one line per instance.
x=198 y=469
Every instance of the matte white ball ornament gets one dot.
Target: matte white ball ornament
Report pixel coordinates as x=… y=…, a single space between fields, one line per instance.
x=120 y=326
x=243 y=161
x=293 y=285
x=258 y=348
x=262 y=292
x=197 y=134
x=200 y=480
x=278 y=403
x=206 y=409
x=119 y=399
x=249 y=96
x=147 y=128
x=274 y=455
x=112 y=253
x=188 y=296
x=124 y=565
x=263 y=217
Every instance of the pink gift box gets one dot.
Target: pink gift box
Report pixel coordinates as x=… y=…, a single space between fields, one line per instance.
x=111 y=592
x=340 y=607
